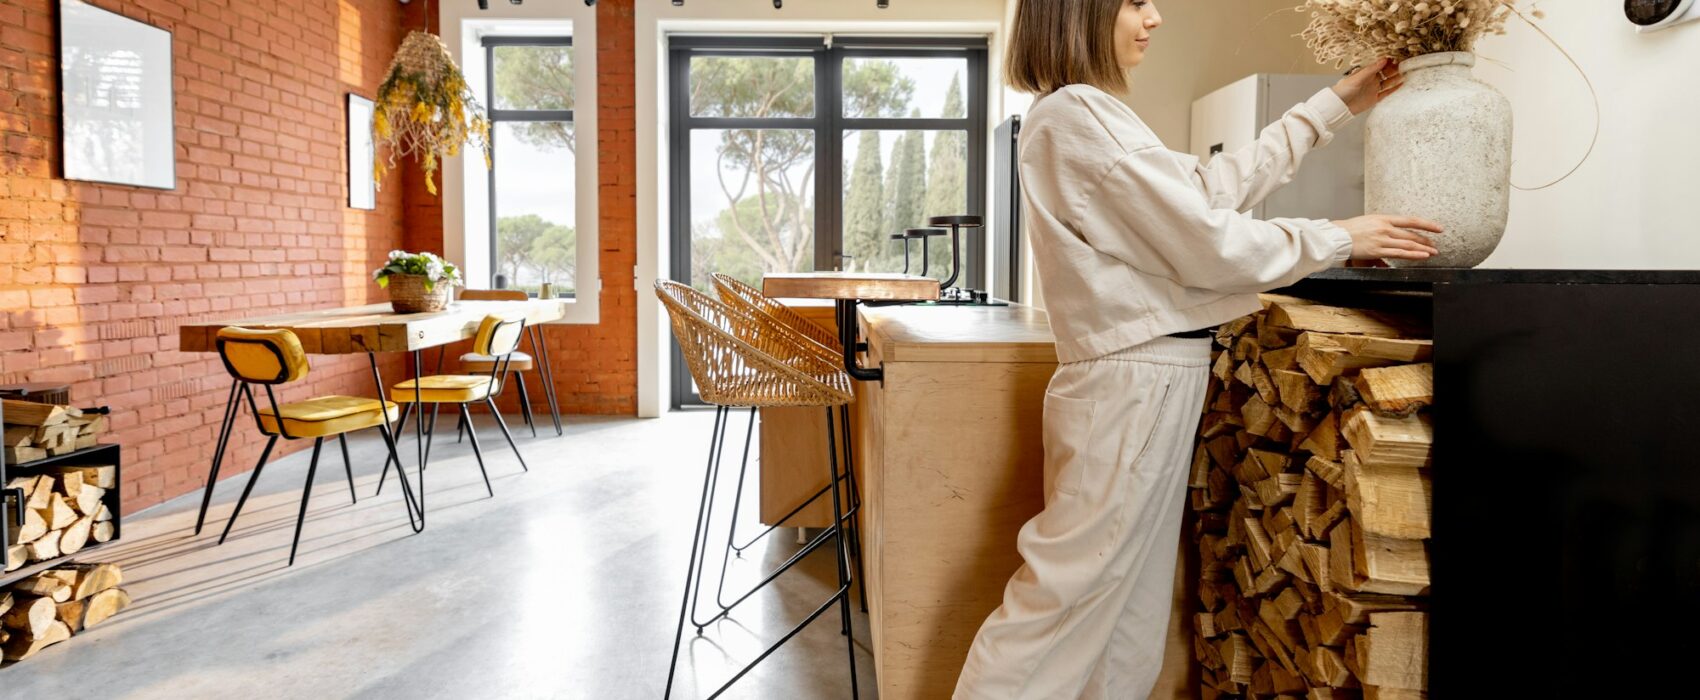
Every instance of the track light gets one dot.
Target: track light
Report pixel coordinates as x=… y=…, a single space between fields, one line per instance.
x=777 y=4
x=882 y=4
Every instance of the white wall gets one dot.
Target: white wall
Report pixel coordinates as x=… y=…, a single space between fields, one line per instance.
x=655 y=18
x=1631 y=205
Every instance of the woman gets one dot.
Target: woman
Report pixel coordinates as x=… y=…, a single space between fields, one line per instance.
x=1139 y=250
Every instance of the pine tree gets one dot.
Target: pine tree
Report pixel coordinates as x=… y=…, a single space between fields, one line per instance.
x=947 y=177
x=864 y=218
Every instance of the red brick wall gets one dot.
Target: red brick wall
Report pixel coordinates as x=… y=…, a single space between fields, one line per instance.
x=95 y=279
x=595 y=366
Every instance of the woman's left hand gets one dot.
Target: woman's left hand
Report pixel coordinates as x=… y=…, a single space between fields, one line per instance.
x=1366 y=85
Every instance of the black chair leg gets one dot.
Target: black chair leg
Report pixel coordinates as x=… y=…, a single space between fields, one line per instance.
x=348 y=466
x=466 y=418
x=264 y=454
x=231 y=407
x=430 y=435
x=306 y=492
x=460 y=430
x=524 y=402
x=504 y=426
x=395 y=459
x=855 y=492
x=540 y=351
x=843 y=570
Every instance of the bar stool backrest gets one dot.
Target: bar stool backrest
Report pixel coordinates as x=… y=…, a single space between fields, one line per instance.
x=736 y=293
x=742 y=359
x=493 y=295
x=262 y=356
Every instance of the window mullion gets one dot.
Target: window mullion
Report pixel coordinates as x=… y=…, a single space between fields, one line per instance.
x=829 y=171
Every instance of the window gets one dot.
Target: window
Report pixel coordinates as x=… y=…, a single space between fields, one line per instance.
x=793 y=154
x=534 y=155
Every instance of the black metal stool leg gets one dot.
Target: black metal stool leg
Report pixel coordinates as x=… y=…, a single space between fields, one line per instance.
x=698 y=536
x=347 y=466
x=524 y=402
x=855 y=543
x=264 y=454
x=430 y=436
x=466 y=415
x=306 y=492
x=504 y=426
x=231 y=407
x=540 y=351
x=737 y=502
x=843 y=594
x=406 y=409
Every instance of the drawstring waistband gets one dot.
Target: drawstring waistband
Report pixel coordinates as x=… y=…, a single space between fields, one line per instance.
x=1165 y=350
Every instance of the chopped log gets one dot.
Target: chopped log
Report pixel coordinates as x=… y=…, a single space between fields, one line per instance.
x=1396 y=349
x=76 y=536
x=24 y=455
x=1200 y=476
x=1205 y=625
x=1299 y=422
x=1331 y=668
x=1331 y=472
x=1223 y=367
x=1244 y=376
x=34 y=527
x=71 y=613
x=1263 y=384
x=104 y=605
x=1278 y=490
x=1334 y=319
x=18 y=436
x=1396 y=651
x=1289 y=604
x=1229 y=333
x=1297 y=391
x=1334 y=514
x=105 y=477
x=1315 y=557
x=1257 y=543
x=104 y=514
x=31 y=413
x=38 y=490
x=1324 y=358
x=1271 y=336
x=16 y=556
x=90 y=579
x=5 y=602
x=22 y=646
x=1396 y=503
x=86 y=441
x=55 y=436
x=1324 y=440
x=1247 y=349
x=1285 y=630
x=1218 y=424
x=1282 y=360
x=70 y=483
x=1223 y=450
x=1341 y=567
x=1399 y=390
x=29 y=614
x=1237 y=658
x=1386 y=565
x=1357 y=609
x=102 y=532
x=1381 y=441
x=1308 y=504
x=46 y=547
x=46 y=583
x=1377 y=693
x=88 y=500
x=58 y=513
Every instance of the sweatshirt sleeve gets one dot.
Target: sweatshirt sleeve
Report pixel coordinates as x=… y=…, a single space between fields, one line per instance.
x=1243 y=178
x=1148 y=212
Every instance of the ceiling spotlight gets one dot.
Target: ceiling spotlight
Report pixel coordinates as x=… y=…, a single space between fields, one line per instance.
x=483 y=4
x=778 y=4
x=882 y=4
x=590 y=3
x=678 y=3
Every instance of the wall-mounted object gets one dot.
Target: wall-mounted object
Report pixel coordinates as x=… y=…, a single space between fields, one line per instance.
x=1331 y=183
x=362 y=156
x=115 y=98
x=1653 y=15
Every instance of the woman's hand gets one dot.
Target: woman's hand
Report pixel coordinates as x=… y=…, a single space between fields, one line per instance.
x=1378 y=237
x=1365 y=86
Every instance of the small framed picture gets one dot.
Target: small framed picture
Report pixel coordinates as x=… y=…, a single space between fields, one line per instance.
x=115 y=98
x=362 y=184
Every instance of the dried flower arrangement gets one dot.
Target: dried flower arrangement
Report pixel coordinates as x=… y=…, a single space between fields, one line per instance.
x=1351 y=32
x=425 y=109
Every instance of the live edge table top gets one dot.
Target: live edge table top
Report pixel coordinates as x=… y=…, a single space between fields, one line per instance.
x=375 y=328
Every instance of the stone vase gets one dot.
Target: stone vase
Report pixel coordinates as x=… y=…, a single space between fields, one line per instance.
x=1440 y=149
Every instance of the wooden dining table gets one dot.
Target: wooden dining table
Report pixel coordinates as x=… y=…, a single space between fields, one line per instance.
x=373 y=329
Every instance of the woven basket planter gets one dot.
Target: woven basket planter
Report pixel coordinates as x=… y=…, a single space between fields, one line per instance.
x=409 y=296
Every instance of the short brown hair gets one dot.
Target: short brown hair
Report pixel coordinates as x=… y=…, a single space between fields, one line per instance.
x=1057 y=43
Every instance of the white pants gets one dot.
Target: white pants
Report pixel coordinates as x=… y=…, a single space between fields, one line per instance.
x=1087 y=615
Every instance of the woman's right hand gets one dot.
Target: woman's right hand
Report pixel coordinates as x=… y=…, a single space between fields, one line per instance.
x=1378 y=237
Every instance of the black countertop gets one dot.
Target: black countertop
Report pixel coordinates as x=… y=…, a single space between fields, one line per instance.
x=1412 y=276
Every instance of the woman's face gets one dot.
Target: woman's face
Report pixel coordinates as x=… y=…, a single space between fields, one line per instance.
x=1133 y=30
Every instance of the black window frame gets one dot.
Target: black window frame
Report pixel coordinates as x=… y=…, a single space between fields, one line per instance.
x=829 y=126
x=497 y=116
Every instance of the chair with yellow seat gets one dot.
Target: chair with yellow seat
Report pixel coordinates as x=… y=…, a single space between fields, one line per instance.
x=498 y=337
x=521 y=362
x=268 y=358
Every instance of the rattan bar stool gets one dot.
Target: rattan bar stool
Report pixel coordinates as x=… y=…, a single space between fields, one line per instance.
x=745 y=360
x=738 y=295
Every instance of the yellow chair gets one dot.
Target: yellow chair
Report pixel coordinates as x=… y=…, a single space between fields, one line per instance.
x=478 y=363
x=498 y=337
x=268 y=358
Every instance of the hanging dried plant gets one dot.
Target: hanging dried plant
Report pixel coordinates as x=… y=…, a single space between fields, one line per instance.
x=425 y=109
x=1351 y=32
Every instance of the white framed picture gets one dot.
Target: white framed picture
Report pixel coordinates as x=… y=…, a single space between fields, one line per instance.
x=115 y=98
x=362 y=183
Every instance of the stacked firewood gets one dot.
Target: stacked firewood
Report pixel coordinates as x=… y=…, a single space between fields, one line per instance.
x=63 y=512
x=38 y=430
x=49 y=607
x=1311 y=488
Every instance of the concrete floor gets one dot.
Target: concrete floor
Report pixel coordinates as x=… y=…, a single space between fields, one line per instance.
x=567 y=584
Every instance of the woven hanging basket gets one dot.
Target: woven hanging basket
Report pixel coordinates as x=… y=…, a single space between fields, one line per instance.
x=409 y=296
x=425 y=109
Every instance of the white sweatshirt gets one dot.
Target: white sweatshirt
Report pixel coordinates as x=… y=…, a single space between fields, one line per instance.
x=1133 y=241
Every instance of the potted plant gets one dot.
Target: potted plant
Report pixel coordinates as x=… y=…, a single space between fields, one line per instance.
x=418 y=282
x=1440 y=147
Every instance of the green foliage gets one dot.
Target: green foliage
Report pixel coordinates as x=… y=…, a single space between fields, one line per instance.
x=433 y=268
x=531 y=242
x=537 y=77
x=864 y=220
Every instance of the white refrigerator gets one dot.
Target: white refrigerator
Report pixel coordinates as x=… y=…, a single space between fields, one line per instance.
x=1330 y=184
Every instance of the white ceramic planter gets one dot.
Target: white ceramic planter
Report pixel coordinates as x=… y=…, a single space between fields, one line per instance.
x=1440 y=149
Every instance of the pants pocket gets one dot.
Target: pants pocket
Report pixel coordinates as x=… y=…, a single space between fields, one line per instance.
x=1069 y=424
